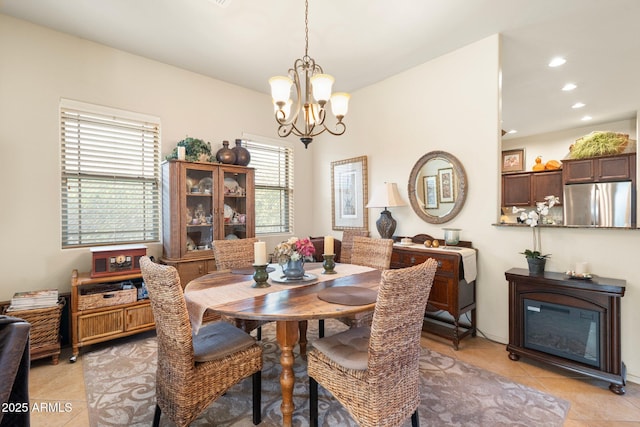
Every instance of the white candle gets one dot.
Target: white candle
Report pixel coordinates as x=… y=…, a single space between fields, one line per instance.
x=181 y=153
x=328 y=245
x=582 y=267
x=260 y=253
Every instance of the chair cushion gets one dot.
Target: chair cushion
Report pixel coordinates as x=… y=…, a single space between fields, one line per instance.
x=219 y=339
x=349 y=348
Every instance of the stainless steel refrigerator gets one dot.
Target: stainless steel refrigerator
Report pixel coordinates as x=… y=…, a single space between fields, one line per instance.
x=605 y=204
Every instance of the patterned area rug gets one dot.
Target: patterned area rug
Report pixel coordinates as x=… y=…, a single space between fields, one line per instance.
x=120 y=385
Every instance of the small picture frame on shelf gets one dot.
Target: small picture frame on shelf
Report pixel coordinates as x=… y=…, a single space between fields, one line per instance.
x=513 y=160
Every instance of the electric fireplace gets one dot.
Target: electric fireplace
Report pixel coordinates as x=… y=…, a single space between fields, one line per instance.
x=572 y=324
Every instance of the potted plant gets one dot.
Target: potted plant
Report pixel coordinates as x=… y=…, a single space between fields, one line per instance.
x=533 y=218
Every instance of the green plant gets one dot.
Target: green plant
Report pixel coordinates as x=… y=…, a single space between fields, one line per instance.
x=196 y=150
x=598 y=143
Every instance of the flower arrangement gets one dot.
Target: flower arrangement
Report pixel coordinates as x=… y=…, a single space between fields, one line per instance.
x=294 y=249
x=533 y=218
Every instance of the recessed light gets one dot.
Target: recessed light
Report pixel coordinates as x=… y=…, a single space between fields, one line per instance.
x=586 y=118
x=556 y=62
x=513 y=131
x=568 y=87
x=578 y=105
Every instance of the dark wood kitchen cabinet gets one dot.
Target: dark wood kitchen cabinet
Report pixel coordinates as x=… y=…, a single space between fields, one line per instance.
x=600 y=169
x=525 y=189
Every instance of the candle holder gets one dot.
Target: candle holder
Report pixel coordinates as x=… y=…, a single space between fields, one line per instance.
x=328 y=264
x=260 y=276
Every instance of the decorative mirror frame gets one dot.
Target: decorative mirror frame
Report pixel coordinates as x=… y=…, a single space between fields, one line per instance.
x=460 y=189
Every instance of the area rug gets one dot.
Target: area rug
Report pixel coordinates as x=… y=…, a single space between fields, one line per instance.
x=120 y=386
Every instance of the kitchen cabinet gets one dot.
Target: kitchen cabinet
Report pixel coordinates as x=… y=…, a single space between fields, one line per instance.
x=527 y=188
x=450 y=293
x=600 y=169
x=203 y=202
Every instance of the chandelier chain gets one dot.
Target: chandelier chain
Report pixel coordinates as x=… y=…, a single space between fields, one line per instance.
x=306 y=29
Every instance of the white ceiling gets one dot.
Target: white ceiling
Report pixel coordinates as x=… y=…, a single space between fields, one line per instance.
x=361 y=42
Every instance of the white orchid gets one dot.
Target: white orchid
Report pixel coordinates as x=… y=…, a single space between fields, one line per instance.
x=533 y=218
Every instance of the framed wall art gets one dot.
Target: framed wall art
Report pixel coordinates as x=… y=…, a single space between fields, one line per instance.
x=349 y=194
x=431 y=192
x=446 y=185
x=513 y=160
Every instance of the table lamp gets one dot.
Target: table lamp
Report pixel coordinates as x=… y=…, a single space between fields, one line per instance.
x=386 y=196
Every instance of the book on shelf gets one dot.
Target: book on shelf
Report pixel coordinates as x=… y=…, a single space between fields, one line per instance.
x=29 y=300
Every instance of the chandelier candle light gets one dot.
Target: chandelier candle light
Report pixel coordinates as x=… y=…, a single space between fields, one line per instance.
x=313 y=91
x=386 y=197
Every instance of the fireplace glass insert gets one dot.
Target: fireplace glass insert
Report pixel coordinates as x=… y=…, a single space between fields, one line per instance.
x=565 y=331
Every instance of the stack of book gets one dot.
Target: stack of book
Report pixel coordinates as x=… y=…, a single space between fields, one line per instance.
x=33 y=299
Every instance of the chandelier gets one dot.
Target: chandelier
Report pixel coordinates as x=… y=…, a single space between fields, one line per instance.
x=312 y=92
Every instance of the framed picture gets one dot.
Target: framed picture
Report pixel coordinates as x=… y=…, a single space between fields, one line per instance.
x=513 y=160
x=349 y=194
x=446 y=185
x=431 y=192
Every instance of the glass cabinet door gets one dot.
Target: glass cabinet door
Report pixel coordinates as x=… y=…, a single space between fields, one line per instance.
x=238 y=209
x=199 y=226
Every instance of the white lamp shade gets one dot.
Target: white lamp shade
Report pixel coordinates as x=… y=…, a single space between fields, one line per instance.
x=280 y=88
x=386 y=196
x=321 y=86
x=340 y=104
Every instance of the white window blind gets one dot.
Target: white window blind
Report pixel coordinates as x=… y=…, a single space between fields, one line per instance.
x=110 y=176
x=274 y=186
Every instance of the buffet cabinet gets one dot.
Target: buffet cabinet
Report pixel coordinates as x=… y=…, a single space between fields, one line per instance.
x=102 y=310
x=202 y=202
x=451 y=296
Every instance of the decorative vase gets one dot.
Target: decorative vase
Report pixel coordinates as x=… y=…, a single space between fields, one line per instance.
x=293 y=270
x=536 y=266
x=225 y=154
x=243 y=157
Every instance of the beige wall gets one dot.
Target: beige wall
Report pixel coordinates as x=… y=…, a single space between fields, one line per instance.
x=450 y=103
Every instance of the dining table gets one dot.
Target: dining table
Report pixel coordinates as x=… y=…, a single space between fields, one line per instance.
x=230 y=293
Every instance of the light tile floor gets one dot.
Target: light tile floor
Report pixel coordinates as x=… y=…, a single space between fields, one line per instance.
x=57 y=387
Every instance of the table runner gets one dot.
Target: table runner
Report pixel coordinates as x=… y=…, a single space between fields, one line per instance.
x=200 y=295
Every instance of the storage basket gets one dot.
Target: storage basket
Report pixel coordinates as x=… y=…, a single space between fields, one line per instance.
x=44 y=338
x=107 y=297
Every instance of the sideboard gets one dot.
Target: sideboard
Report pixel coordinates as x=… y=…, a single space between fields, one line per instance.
x=451 y=296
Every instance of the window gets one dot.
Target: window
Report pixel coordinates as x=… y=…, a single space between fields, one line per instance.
x=110 y=176
x=274 y=186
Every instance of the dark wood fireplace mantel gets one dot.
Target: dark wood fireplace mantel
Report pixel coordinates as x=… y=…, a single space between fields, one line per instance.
x=600 y=295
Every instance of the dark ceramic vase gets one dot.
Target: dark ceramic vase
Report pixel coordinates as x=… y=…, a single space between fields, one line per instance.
x=225 y=154
x=536 y=266
x=243 y=157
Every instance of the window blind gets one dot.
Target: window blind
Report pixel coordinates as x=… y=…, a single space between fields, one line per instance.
x=110 y=177
x=274 y=186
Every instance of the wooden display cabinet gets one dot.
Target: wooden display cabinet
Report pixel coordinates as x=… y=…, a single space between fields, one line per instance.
x=449 y=293
x=203 y=202
x=118 y=315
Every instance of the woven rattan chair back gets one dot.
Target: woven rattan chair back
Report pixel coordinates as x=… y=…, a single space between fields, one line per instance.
x=347 y=243
x=387 y=392
x=186 y=387
x=237 y=253
x=371 y=252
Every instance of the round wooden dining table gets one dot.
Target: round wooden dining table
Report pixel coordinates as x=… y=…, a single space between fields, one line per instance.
x=230 y=294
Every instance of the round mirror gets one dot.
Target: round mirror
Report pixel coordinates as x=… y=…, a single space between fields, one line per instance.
x=437 y=187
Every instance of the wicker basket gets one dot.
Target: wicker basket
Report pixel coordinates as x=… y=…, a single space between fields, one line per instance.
x=44 y=340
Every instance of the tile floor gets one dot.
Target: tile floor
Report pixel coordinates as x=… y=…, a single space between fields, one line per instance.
x=592 y=404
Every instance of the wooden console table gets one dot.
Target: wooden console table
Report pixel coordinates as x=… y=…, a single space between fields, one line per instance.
x=599 y=296
x=450 y=292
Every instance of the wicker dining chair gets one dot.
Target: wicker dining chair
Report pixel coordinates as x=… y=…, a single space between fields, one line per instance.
x=194 y=370
x=374 y=371
x=372 y=252
x=237 y=253
x=347 y=243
